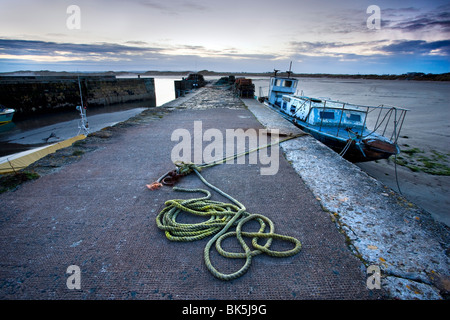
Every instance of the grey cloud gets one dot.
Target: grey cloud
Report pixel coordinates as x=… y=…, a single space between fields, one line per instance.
x=398 y=12
x=174 y=8
x=90 y=53
x=438 y=18
x=137 y=42
x=422 y=24
x=256 y=56
x=417 y=47
x=34 y=47
x=421 y=47
x=317 y=47
x=192 y=47
x=190 y=5
x=228 y=52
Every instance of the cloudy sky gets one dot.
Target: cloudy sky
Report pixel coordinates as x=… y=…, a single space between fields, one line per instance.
x=318 y=36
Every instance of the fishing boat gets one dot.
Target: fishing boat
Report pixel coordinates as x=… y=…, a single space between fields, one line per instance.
x=344 y=127
x=6 y=114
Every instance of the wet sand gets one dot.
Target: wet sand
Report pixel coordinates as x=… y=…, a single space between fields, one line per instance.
x=430 y=192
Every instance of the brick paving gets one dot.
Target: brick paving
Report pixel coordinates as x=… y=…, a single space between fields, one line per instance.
x=96 y=213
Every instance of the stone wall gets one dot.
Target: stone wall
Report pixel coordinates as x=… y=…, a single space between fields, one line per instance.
x=38 y=95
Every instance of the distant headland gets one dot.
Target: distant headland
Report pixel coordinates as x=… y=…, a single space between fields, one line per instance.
x=416 y=76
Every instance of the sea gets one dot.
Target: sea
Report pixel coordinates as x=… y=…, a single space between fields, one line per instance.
x=426 y=127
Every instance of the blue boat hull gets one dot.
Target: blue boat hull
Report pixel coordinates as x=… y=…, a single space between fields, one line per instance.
x=357 y=151
x=6 y=116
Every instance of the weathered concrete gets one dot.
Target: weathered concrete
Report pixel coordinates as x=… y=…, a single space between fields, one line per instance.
x=94 y=211
x=36 y=95
x=381 y=227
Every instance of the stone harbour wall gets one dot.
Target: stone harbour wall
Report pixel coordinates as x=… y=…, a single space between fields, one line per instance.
x=38 y=95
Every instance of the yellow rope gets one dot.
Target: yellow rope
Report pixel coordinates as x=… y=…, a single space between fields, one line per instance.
x=221 y=217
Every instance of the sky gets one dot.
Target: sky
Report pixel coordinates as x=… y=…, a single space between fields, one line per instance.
x=318 y=36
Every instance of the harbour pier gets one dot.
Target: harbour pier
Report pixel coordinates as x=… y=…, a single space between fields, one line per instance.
x=91 y=208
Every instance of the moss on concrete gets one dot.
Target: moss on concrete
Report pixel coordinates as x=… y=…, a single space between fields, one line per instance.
x=13 y=180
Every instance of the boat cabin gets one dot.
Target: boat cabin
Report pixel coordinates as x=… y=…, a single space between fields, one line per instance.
x=280 y=86
x=323 y=113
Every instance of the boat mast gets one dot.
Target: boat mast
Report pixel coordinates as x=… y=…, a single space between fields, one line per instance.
x=83 y=124
x=290 y=68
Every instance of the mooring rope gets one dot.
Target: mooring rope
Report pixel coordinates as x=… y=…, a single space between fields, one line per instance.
x=221 y=217
x=171 y=177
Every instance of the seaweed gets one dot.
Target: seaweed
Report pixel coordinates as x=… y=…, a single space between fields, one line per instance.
x=431 y=162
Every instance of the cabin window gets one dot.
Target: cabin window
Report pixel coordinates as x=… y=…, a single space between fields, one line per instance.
x=288 y=83
x=277 y=82
x=354 y=117
x=292 y=109
x=286 y=99
x=326 y=115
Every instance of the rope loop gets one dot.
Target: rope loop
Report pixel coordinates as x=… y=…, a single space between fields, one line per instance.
x=220 y=218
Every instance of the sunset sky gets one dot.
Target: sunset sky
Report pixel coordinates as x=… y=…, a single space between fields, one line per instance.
x=320 y=36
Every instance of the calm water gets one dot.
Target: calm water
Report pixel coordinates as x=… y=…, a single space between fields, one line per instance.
x=427 y=123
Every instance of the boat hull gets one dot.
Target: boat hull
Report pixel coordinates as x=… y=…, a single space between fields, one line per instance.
x=6 y=116
x=358 y=151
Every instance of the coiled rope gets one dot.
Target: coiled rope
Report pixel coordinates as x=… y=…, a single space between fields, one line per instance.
x=221 y=217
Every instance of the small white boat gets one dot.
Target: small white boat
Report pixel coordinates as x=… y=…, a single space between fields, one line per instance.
x=6 y=114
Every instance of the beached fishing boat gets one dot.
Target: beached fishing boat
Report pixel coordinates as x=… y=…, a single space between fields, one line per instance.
x=342 y=126
x=6 y=114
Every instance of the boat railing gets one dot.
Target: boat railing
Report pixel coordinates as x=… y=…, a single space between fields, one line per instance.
x=340 y=119
x=389 y=120
x=398 y=114
x=300 y=107
x=321 y=118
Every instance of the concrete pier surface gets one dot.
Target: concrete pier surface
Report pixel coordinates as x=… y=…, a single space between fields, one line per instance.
x=91 y=208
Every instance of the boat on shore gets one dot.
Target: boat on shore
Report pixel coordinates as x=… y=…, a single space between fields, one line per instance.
x=6 y=114
x=339 y=125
